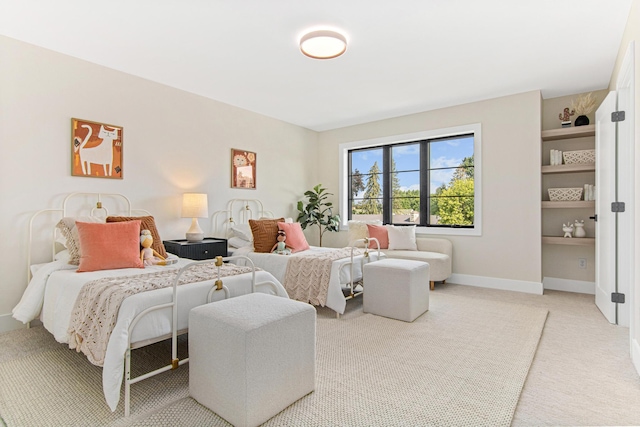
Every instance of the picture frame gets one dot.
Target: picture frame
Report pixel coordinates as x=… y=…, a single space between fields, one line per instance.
x=96 y=149
x=243 y=169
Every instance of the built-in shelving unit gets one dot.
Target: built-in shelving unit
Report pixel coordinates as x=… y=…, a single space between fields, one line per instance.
x=566 y=175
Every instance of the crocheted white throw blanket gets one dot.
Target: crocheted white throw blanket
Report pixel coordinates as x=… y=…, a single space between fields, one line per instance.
x=307 y=276
x=96 y=309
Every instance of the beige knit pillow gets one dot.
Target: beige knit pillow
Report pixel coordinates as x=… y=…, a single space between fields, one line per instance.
x=358 y=230
x=265 y=233
x=67 y=227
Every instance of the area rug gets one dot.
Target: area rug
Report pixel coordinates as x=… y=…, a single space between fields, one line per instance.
x=463 y=363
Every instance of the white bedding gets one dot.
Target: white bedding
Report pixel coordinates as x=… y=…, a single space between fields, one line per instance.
x=277 y=265
x=54 y=287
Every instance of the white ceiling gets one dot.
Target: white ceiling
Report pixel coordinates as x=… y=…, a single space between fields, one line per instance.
x=404 y=56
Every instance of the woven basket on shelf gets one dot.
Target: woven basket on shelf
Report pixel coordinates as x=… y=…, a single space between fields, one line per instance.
x=565 y=194
x=579 y=156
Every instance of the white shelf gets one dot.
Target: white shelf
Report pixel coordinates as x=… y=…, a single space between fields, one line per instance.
x=573 y=241
x=568 y=133
x=571 y=168
x=569 y=204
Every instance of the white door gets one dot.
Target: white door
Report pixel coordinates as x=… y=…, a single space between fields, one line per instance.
x=625 y=273
x=606 y=220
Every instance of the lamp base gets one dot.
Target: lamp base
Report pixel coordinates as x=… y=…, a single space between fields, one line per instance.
x=195 y=237
x=195 y=233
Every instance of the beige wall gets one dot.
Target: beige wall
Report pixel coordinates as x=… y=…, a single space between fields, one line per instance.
x=174 y=142
x=632 y=33
x=509 y=247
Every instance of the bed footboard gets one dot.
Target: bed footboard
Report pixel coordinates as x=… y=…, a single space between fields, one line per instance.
x=175 y=362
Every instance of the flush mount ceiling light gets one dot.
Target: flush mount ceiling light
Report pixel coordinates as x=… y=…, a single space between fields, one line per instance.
x=323 y=44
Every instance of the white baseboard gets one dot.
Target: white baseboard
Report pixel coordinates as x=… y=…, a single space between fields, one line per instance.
x=635 y=354
x=567 y=285
x=8 y=323
x=497 y=283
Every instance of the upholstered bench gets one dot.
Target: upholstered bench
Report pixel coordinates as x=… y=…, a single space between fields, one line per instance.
x=435 y=251
x=251 y=356
x=396 y=288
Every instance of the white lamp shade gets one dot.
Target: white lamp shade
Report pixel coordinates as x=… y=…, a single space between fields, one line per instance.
x=195 y=205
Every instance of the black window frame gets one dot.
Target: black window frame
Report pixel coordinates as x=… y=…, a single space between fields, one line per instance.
x=425 y=179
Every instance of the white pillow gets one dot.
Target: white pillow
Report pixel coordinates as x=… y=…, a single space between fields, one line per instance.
x=62 y=256
x=242 y=231
x=358 y=229
x=402 y=238
x=237 y=242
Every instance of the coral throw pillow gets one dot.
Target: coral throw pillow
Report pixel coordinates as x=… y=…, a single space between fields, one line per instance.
x=295 y=237
x=379 y=232
x=109 y=246
x=265 y=233
x=146 y=223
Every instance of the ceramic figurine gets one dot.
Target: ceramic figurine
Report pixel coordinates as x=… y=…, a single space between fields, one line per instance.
x=579 y=229
x=568 y=230
x=566 y=114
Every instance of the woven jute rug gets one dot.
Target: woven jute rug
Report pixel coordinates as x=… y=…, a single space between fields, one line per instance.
x=463 y=363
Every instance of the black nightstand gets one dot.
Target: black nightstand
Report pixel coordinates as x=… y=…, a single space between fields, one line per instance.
x=209 y=248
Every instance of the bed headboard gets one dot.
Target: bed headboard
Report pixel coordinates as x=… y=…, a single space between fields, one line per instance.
x=238 y=211
x=42 y=224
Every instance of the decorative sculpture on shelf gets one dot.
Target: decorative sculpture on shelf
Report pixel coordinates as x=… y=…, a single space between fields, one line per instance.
x=585 y=104
x=568 y=230
x=579 y=229
x=565 y=116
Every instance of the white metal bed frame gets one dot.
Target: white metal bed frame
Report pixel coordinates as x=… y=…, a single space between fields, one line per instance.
x=224 y=220
x=245 y=209
x=218 y=286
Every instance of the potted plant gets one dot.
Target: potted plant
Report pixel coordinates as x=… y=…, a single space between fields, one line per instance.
x=583 y=106
x=318 y=212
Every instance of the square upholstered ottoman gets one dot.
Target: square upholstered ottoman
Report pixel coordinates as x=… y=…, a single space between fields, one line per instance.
x=396 y=288
x=251 y=356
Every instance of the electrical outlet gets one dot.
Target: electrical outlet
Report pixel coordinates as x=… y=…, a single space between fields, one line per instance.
x=582 y=262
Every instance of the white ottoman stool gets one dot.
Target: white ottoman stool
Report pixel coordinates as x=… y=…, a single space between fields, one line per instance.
x=396 y=288
x=251 y=356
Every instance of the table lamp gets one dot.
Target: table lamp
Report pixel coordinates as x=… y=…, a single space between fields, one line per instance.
x=194 y=206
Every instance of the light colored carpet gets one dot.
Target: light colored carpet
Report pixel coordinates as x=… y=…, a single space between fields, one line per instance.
x=462 y=363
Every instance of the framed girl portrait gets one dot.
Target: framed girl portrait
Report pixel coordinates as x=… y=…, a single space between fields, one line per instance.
x=243 y=169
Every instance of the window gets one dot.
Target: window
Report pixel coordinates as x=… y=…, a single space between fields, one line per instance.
x=430 y=179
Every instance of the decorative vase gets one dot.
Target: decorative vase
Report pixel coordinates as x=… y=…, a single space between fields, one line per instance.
x=579 y=229
x=582 y=121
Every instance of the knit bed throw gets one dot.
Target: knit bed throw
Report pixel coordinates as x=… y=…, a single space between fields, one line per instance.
x=96 y=308
x=308 y=275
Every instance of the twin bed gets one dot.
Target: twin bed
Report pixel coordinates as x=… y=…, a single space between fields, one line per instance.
x=342 y=266
x=143 y=318
x=162 y=311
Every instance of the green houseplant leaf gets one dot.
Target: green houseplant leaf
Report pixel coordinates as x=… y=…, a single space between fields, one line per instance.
x=317 y=211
